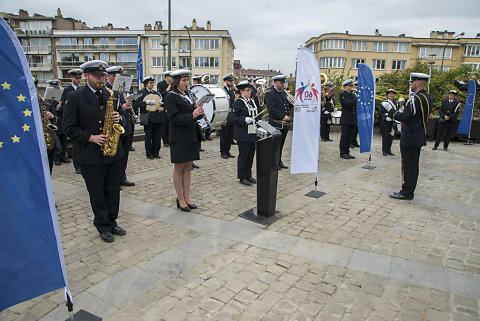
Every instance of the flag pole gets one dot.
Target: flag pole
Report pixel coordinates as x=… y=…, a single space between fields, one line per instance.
x=69 y=305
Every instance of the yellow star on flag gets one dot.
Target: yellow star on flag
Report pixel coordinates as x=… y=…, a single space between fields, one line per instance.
x=21 y=98
x=1 y=144
x=26 y=128
x=27 y=112
x=6 y=86
x=16 y=139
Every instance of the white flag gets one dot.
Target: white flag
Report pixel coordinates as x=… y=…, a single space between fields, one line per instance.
x=306 y=123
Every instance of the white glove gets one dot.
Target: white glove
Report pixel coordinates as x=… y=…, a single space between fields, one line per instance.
x=326 y=112
x=335 y=109
x=388 y=119
x=248 y=120
x=151 y=102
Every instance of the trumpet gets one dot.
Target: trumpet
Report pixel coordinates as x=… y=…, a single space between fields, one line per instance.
x=261 y=91
x=290 y=98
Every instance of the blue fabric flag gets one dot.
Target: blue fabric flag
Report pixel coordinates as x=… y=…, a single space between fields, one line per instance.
x=467 y=115
x=31 y=258
x=139 y=63
x=365 y=107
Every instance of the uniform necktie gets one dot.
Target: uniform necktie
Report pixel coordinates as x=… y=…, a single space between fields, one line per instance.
x=100 y=99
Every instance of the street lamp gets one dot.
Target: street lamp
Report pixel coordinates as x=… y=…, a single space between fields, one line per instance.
x=164 y=43
x=430 y=61
x=444 y=48
x=190 y=46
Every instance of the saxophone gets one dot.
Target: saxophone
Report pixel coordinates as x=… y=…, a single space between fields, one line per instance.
x=111 y=130
x=48 y=128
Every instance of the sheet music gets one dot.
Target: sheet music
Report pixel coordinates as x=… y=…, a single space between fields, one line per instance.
x=122 y=83
x=53 y=94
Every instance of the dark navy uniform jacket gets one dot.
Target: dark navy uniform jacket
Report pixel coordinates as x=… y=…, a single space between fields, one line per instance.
x=348 y=100
x=182 y=126
x=450 y=109
x=237 y=118
x=277 y=105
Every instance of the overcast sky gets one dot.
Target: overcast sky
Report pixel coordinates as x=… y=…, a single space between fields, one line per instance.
x=267 y=33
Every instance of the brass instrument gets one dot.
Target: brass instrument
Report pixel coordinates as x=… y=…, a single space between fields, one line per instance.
x=153 y=102
x=205 y=79
x=48 y=128
x=290 y=97
x=111 y=130
x=323 y=79
x=261 y=91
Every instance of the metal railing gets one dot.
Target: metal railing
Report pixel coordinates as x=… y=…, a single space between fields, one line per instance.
x=98 y=47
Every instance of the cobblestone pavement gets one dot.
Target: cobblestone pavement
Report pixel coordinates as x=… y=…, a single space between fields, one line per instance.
x=353 y=254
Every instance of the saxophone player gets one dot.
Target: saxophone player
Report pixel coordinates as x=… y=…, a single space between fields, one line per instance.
x=83 y=120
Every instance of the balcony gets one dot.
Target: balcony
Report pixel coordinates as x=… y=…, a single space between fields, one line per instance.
x=97 y=48
x=37 y=66
x=26 y=32
x=29 y=50
x=128 y=65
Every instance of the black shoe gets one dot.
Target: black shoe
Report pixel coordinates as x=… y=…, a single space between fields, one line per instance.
x=330 y=140
x=127 y=183
x=445 y=148
x=156 y=156
x=117 y=230
x=224 y=156
x=192 y=206
x=230 y=155
x=385 y=154
x=390 y=153
x=208 y=138
x=324 y=140
x=282 y=165
x=166 y=145
x=202 y=150
x=132 y=149
x=352 y=157
x=57 y=162
x=185 y=209
x=65 y=160
x=356 y=144
x=434 y=148
x=252 y=180
x=195 y=166
x=150 y=157
x=352 y=146
x=399 y=196
x=107 y=237
x=344 y=156
x=244 y=181
x=78 y=171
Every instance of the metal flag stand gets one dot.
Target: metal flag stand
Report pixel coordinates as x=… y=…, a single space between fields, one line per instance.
x=368 y=166
x=81 y=315
x=315 y=193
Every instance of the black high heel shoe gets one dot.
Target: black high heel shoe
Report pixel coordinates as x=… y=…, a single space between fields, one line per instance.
x=185 y=209
x=192 y=206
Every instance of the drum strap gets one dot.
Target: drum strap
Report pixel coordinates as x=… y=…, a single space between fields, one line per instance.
x=252 y=109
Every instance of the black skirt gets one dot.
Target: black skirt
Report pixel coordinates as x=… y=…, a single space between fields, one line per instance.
x=182 y=152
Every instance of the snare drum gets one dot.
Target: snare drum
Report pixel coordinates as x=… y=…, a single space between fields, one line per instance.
x=336 y=117
x=216 y=110
x=261 y=133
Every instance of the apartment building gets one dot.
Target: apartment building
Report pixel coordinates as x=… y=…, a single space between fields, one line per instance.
x=342 y=52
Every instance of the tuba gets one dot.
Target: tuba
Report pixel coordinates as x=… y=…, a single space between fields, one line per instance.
x=323 y=79
x=111 y=130
x=48 y=128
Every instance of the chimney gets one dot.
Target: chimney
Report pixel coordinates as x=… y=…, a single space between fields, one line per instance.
x=377 y=33
x=158 y=25
x=109 y=26
x=194 y=24
x=401 y=35
x=346 y=32
x=478 y=35
x=59 y=13
x=147 y=27
x=23 y=13
x=209 y=25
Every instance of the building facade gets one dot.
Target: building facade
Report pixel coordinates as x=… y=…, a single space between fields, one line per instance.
x=342 y=52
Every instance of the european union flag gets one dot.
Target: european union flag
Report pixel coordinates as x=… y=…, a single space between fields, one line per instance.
x=31 y=258
x=466 y=121
x=365 y=107
x=139 y=63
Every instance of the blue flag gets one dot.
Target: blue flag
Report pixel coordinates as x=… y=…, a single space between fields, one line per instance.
x=31 y=258
x=466 y=120
x=139 y=63
x=365 y=107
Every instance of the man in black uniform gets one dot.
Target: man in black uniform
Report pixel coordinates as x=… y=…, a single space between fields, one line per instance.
x=83 y=121
x=76 y=78
x=449 y=111
x=414 y=118
x=153 y=127
x=348 y=120
x=255 y=91
x=387 y=123
x=197 y=80
x=60 y=153
x=227 y=129
x=125 y=111
x=163 y=88
x=327 y=109
x=278 y=108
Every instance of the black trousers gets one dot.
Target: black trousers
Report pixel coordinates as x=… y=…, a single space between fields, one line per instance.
x=284 y=132
x=246 y=152
x=165 y=127
x=444 y=132
x=324 y=127
x=346 y=138
x=103 y=185
x=76 y=165
x=410 y=161
x=153 y=138
x=354 y=136
x=387 y=138
x=61 y=154
x=226 y=138
x=126 y=141
x=50 y=159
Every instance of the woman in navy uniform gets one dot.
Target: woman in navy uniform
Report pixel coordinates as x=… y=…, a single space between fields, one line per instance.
x=449 y=111
x=387 y=123
x=83 y=120
x=242 y=117
x=414 y=118
x=348 y=120
x=184 y=135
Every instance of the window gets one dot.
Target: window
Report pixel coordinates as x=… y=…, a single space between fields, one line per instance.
x=475 y=65
x=472 y=51
x=105 y=57
x=380 y=46
x=359 y=45
x=157 y=61
x=69 y=57
x=158 y=78
x=206 y=44
x=311 y=47
x=185 y=62
x=87 y=42
x=208 y=62
x=35 y=44
x=356 y=61
x=157 y=43
x=185 y=45
x=88 y=56
x=44 y=61
x=400 y=47
x=104 y=42
x=174 y=61
x=333 y=44
x=332 y=62
x=399 y=64
x=214 y=79
x=425 y=52
x=126 y=42
x=127 y=57
x=68 y=42
x=378 y=64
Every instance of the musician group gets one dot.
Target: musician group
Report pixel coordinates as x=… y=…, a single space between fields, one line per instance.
x=100 y=123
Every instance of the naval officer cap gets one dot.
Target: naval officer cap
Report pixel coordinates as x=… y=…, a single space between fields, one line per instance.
x=147 y=79
x=53 y=82
x=114 y=70
x=197 y=78
x=167 y=73
x=77 y=72
x=243 y=84
x=228 y=77
x=181 y=73
x=329 y=84
x=256 y=78
x=419 y=76
x=280 y=78
x=94 y=67
x=453 y=91
x=348 y=82
x=391 y=91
